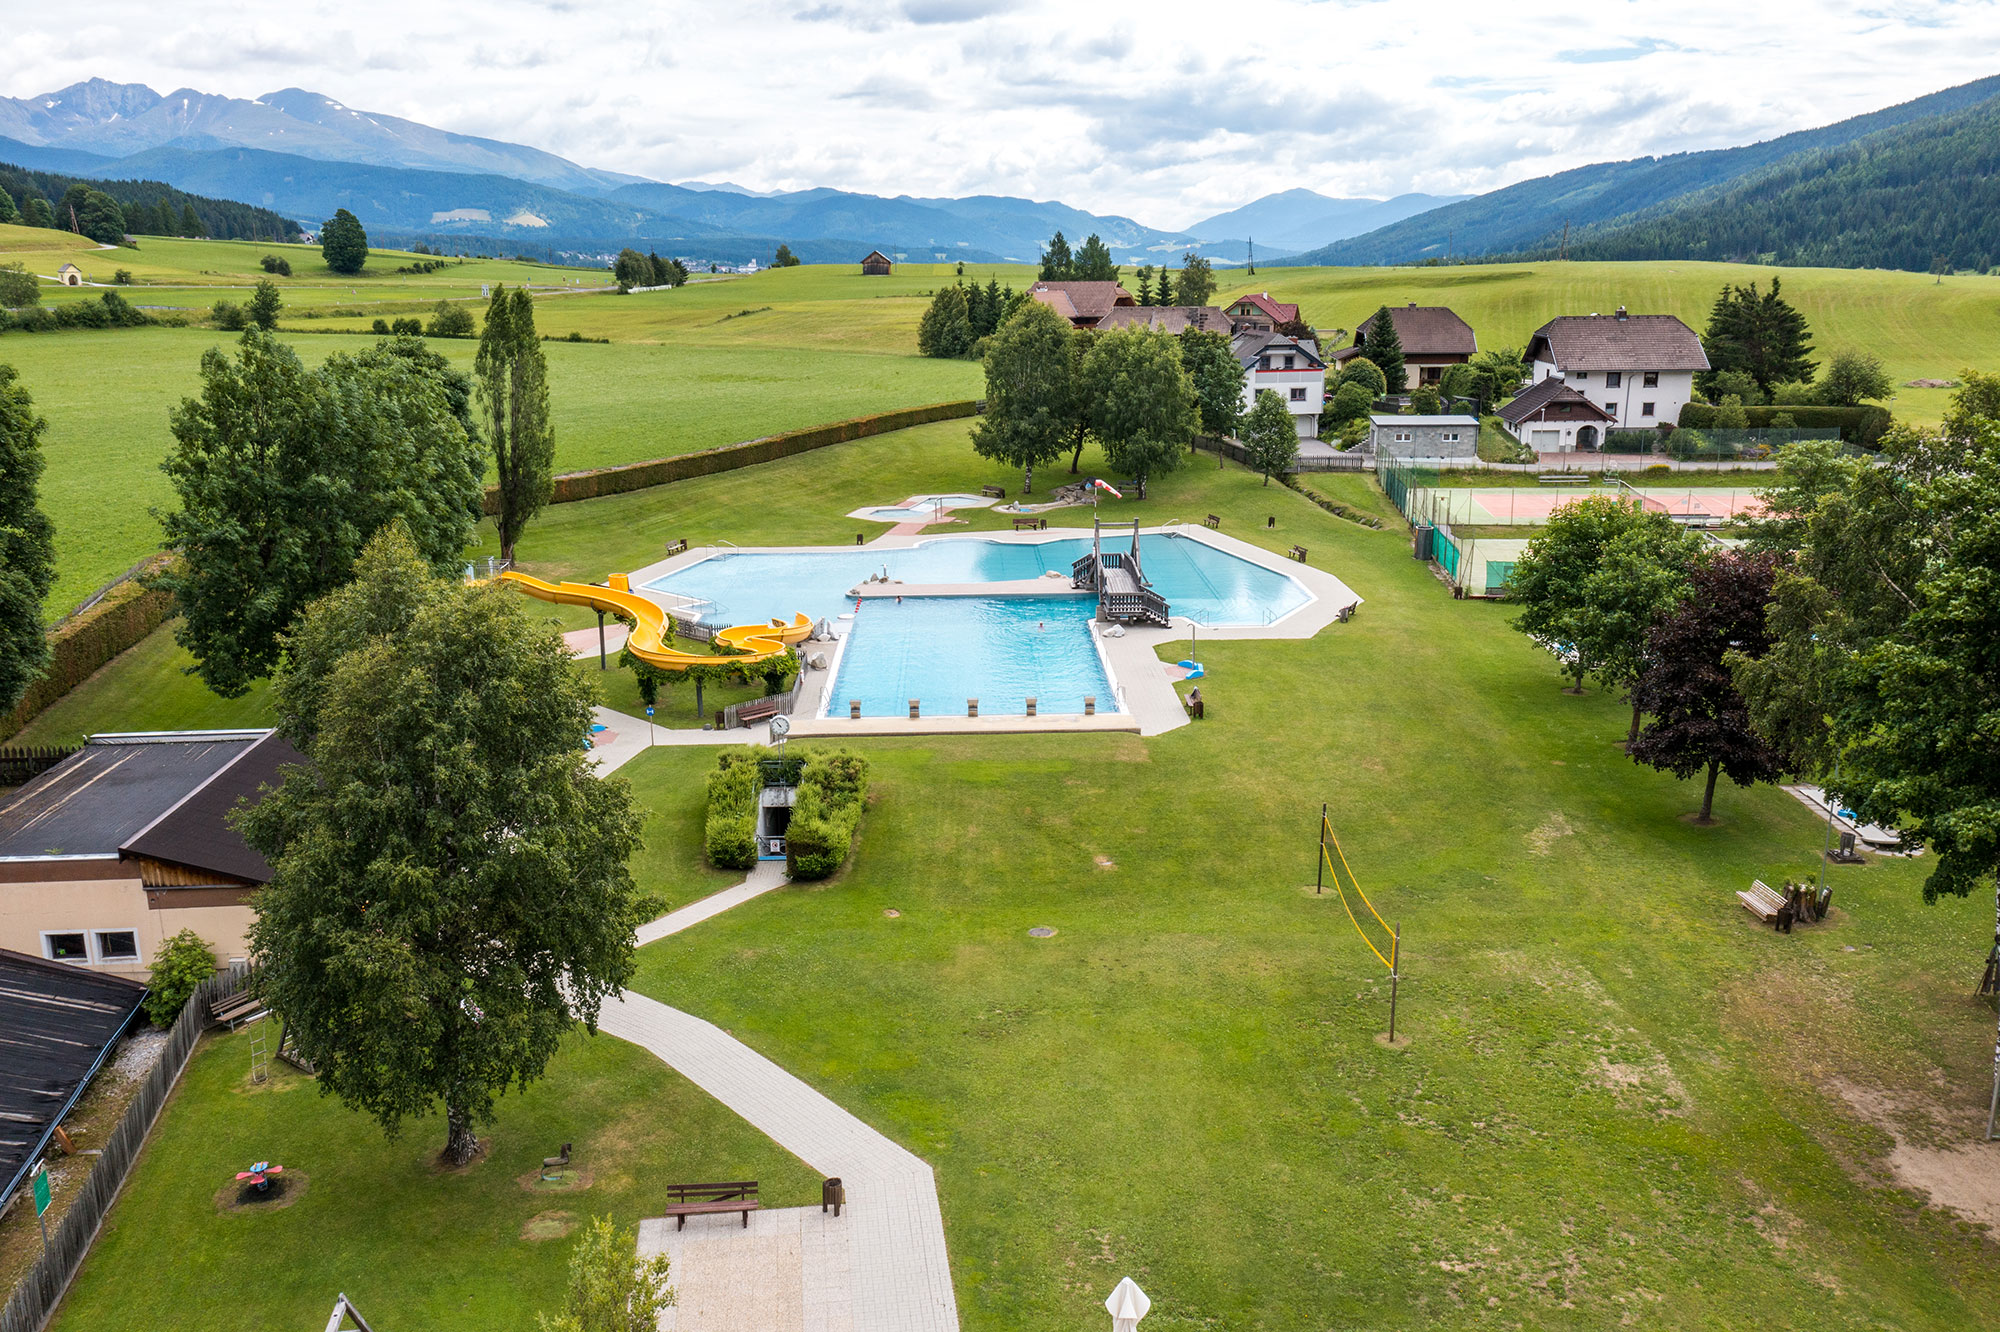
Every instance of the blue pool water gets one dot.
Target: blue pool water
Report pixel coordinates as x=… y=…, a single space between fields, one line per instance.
x=1199 y=581
x=945 y=650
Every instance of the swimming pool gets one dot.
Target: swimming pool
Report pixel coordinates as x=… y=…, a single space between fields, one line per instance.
x=921 y=508
x=749 y=587
x=945 y=650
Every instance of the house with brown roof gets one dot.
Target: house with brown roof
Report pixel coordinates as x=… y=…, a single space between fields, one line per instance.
x=1639 y=368
x=876 y=264
x=1434 y=338
x=1084 y=304
x=126 y=842
x=1170 y=318
x=1257 y=312
x=1551 y=417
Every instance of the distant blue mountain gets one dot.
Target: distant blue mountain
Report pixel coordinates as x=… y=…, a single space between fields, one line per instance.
x=1302 y=219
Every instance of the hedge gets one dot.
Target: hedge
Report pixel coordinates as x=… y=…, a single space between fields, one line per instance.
x=1863 y=425
x=731 y=828
x=85 y=641
x=832 y=790
x=602 y=481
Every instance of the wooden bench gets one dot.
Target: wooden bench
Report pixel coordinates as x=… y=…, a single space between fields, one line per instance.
x=686 y=1200
x=760 y=709
x=237 y=1009
x=1762 y=901
x=993 y=492
x=677 y=547
x=1564 y=479
x=1298 y=553
x=1212 y=521
x=1031 y=524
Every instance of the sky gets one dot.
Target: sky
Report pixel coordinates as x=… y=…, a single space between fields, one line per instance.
x=1165 y=113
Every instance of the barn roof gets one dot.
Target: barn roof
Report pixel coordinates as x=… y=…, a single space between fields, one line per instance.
x=1617 y=342
x=1082 y=300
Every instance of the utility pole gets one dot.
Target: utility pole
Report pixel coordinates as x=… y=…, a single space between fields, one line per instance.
x=1252 y=243
x=1563 y=253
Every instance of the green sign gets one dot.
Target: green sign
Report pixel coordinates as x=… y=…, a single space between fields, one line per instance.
x=41 y=1190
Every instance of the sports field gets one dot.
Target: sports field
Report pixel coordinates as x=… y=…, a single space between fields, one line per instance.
x=1518 y=506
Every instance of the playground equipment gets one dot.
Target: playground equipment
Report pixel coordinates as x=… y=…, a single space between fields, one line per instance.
x=757 y=642
x=1325 y=869
x=1123 y=594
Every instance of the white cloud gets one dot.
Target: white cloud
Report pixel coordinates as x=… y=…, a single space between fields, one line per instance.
x=1165 y=116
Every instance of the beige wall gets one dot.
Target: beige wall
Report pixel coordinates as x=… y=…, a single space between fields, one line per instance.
x=28 y=910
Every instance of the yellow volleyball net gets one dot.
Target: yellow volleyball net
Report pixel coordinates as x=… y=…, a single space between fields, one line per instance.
x=1333 y=869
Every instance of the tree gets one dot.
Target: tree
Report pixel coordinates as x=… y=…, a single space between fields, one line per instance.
x=1352 y=401
x=9 y=214
x=1197 y=282
x=514 y=389
x=191 y=225
x=448 y=891
x=1270 y=440
x=1058 y=264
x=27 y=543
x=1145 y=275
x=1458 y=382
x=100 y=218
x=1140 y=400
x=1217 y=377
x=264 y=305
x=343 y=243
x=180 y=965
x=1093 y=261
x=1497 y=374
x=1360 y=370
x=1031 y=392
x=946 y=328
x=1723 y=383
x=785 y=258
x=611 y=1288
x=632 y=269
x=1641 y=576
x=1552 y=575
x=1383 y=346
x=1699 y=720
x=18 y=287
x=449 y=321
x=36 y=212
x=1425 y=401
x=1298 y=328
x=1729 y=414
x=1761 y=335
x=284 y=473
x=1166 y=295
x=1853 y=377
x=277 y=264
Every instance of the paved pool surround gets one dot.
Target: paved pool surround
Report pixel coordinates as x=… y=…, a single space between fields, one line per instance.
x=1138 y=677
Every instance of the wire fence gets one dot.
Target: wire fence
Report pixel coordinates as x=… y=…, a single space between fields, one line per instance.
x=36 y=1297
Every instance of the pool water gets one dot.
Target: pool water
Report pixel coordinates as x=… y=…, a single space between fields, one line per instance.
x=945 y=650
x=752 y=587
x=923 y=508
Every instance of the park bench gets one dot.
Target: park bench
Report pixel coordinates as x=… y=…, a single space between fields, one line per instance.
x=557 y=1163
x=686 y=1200
x=1298 y=553
x=760 y=709
x=237 y=1009
x=1762 y=901
x=1031 y=524
x=993 y=492
x=1212 y=521
x=677 y=547
x=1564 y=479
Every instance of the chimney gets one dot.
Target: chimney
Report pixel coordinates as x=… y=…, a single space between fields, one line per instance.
x=1413 y=305
x=1621 y=312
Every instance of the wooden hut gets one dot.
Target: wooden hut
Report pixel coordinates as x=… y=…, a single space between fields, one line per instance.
x=876 y=264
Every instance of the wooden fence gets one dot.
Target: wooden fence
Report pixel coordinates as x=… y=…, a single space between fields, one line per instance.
x=41 y=1290
x=25 y=763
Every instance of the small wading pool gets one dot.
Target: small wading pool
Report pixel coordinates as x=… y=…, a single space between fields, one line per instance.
x=921 y=508
x=945 y=650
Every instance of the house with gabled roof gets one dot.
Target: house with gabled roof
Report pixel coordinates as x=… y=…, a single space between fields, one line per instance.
x=1084 y=304
x=1169 y=318
x=1551 y=417
x=1434 y=339
x=1290 y=367
x=1639 y=368
x=1257 y=312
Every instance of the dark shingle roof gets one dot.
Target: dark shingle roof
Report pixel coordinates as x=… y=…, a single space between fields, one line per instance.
x=1087 y=300
x=1541 y=394
x=1172 y=318
x=1252 y=343
x=196 y=832
x=1617 y=342
x=1426 y=330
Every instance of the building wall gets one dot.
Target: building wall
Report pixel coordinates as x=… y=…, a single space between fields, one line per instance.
x=1426 y=441
x=1627 y=401
x=1305 y=411
x=28 y=910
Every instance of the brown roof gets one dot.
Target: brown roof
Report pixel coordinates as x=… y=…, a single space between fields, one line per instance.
x=1426 y=330
x=1172 y=318
x=195 y=832
x=1617 y=342
x=1084 y=300
x=1279 y=311
x=1545 y=393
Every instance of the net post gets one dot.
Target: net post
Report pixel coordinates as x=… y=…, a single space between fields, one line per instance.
x=1319 y=862
x=1395 y=960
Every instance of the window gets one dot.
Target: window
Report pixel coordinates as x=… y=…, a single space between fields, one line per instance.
x=1652 y=379
x=1611 y=408
x=1263 y=363
x=1451 y=437
x=1613 y=378
x=1289 y=362
x=1402 y=436
x=1579 y=374
x=1645 y=409
x=65 y=946
x=117 y=946
x=1299 y=394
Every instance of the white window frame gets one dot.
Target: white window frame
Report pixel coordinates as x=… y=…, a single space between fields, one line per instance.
x=1451 y=438
x=105 y=959
x=49 y=954
x=1402 y=437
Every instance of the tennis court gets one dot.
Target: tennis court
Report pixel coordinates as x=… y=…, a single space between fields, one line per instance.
x=1523 y=506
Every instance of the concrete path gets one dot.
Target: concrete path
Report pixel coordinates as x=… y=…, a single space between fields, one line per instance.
x=764 y=876
x=790 y=1270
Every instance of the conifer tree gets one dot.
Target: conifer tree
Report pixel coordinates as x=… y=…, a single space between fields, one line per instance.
x=1058 y=264
x=1383 y=347
x=27 y=543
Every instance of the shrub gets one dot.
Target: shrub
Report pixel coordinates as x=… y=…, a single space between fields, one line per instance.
x=450 y=321
x=123 y=277
x=1425 y=402
x=278 y=264
x=229 y=316
x=182 y=963
x=411 y=327
x=83 y=642
x=833 y=788
x=730 y=831
x=1862 y=425
x=1659 y=472
x=381 y=327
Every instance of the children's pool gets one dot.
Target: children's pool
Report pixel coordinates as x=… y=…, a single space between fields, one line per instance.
x=945 y=650
x=751 y=587
x=922 y=508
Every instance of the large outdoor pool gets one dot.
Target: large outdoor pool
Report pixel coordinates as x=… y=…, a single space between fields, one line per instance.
x=752 y=587
x=945 y=650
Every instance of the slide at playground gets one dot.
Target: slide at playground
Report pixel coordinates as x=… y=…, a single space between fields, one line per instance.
x=759 y=642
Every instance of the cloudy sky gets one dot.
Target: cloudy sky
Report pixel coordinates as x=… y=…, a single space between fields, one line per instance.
x=1165 y=112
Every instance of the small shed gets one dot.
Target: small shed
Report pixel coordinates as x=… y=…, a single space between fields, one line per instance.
x=876 y=264
x=1444 y=438
x=70 y=275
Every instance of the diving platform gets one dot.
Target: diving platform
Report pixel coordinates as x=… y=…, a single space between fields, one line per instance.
x=1116 y=576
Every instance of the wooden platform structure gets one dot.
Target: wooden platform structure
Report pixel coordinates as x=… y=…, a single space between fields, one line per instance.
x=1123 y=594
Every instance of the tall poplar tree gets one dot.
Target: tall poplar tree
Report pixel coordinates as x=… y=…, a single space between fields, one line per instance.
x=27 y=543
x=514 y=393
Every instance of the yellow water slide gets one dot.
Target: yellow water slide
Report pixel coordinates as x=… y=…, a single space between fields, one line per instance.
x=759 y=642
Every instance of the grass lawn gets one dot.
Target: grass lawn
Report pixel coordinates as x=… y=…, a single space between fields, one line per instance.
x=145 y=688
x=414 y=1248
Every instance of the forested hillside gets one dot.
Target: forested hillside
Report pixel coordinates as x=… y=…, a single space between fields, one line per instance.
x=150 y=207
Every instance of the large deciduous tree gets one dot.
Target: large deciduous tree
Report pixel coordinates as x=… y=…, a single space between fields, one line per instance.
x=1854 y=377
x=1140 y=400
x=343 y=243
x=1699 y=722
x=1031 y=392
x=514 y=395
x=448 y=890
x=264 y=304
x=1641 y=578
x=1382 y=345
x=283 y=473
x=1761 y=335
x=946 y=327
x=1217 y=377
x=1196 y=284
x=1270 y=440
x=1552 y=578
x=27 y=543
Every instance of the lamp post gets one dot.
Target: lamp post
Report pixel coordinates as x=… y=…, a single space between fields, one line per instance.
x=1127 y=1304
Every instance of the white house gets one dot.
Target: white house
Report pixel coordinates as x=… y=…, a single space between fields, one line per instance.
x=70 y=275
x=1639 y=369
x=1290 y=367
x=1549 y=416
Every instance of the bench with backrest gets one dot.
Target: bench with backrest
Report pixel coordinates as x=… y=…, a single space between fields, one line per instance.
x=677 y=547
x=1030 y=524
x=1298 y=553
x=993 y=492
x=1762 y=901
x=686 y=1200
x=760 y=709
x=1564 y=479
x=1212 y=521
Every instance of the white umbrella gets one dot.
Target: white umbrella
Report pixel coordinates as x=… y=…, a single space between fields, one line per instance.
x=1127 y=1305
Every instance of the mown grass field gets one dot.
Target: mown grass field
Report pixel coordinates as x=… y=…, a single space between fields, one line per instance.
x=1622 y=1103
